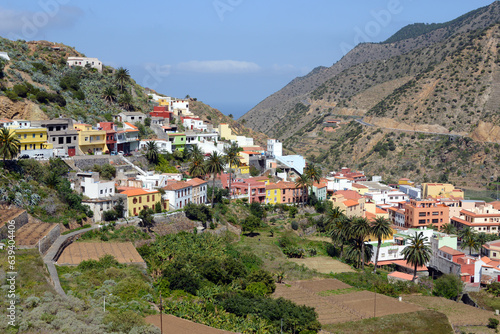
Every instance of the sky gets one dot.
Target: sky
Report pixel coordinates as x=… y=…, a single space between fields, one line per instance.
x=230 y=54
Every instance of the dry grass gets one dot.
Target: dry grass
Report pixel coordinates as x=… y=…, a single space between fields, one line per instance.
x=459 y=314
x=422 y=322
x=323 y=264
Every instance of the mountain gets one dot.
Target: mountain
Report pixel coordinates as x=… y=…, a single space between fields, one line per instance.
x=442 y=80
x=36 y=83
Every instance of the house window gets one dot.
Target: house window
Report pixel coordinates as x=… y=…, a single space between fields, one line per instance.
x=25 y=136
x=421 y=221
x=61 y=140
x=421 y=214
x=86 y=138
x=140 y=199
x=68 y=140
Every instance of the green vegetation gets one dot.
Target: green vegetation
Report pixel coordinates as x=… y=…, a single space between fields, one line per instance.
x=111 y=233
x=449 y=286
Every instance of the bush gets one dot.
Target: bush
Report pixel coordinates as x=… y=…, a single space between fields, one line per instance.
x=295 y=225
x=493 y=323
x=109 y=215
x=251 y=223
x=448 y=286
x=264 y=277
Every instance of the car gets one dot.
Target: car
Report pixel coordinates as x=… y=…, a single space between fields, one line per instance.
x=24 y=156
x=128 y=154
x=113 y=152
x=120 y=152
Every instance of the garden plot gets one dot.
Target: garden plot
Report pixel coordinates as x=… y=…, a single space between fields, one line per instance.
x=323 y=264
x=459 y=314
x=351 y=306
x=123 y=252
x=31 y=233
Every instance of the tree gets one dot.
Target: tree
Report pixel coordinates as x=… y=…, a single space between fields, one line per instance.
x=313 y=172
x=233 y=160
x=9 y=144
x=257 y=210
x=250 y=223
x=303 y=182
x=448 y=229
x=380 y=228
x=418 y=252
x=146 y=218
x=109 y=95
x=359 y=230
x=119 y=208
x=152 y=151
x=126 y=101
x=122 y=77
x=147 y=121
x=469 y=238
x=337 y=227
x=197 y=167
x=448 y=286
x=214 y=166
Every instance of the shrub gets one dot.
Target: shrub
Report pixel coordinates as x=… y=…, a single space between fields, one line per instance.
x=448 y=286
x=264 y=277
x=251 y=223
x=295 y=225
x=493 y=323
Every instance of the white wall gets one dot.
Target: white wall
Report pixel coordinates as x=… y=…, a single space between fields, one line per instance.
x=96 y=190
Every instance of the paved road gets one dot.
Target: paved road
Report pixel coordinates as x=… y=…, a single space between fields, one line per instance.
x=48 y=259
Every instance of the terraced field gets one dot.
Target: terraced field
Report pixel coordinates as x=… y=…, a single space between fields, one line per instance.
x=31 y=233
x=124 y=252
x=343 y=307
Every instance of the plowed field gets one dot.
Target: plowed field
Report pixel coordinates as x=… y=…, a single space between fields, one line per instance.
x=124 y=252
x=29 y=234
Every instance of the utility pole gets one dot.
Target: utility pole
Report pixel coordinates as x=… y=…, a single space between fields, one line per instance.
x=161 y=315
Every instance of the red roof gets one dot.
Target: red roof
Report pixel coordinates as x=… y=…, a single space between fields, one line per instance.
x=451 y=251
x=138 y=191
x=349 y=194
x=402 y=263
x=350 y=203
x=401 y=275
x=196 y=182
x=177 y=186
x=131 y=125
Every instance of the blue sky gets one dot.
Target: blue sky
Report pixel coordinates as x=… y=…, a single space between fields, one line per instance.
x=230 y=54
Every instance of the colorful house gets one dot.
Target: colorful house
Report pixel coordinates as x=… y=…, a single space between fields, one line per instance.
x=91 y=140
x=178 y=141
x=32 y=138
x=479 y=219
x=273 y=193
x=436 y=190
x=139 y=199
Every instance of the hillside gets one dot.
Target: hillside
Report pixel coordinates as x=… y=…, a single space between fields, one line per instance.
x=445 y=83
x=37 y=84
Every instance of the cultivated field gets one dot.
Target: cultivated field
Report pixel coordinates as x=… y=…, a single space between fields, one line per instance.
x=29 y=234
x=124 y=252
x=344 y=307
x=323 y=264
x=459 y=314
x=177 y=325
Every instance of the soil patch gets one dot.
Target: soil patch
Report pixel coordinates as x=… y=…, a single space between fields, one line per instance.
x=323 y=264
x=177 y=325
x=124 y=252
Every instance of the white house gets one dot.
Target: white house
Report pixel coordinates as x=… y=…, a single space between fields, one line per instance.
x=274 y=148
x=91 y=187
x=194 y=123
x=179 y=194
x=152 y=181
x=244 y=141
x=338 y=183
x=164 y=146
x=412 y=192
x=180 y=107
x=391 y=197
x=84 y=61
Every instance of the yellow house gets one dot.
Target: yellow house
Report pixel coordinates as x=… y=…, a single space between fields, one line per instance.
x=406 y=182
x=90 y=140
x=242 y=169
x=273 y=193
x=32 y=138
x=225 y=132
x=138 y=199
x=164 y=101
x=361 y=189
x=436 y=190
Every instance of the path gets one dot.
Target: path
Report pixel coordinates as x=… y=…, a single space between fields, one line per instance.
x=143 y=173
x=48 y=259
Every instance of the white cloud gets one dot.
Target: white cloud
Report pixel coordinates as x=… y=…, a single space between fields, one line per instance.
x=28 y=24
x=218 y=66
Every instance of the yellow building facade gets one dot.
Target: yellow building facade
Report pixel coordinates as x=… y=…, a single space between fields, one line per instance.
x=273 y=194
x=436 y=190
x=225 y=132
x=139 y=199
x=32 y=138
x=90 y=140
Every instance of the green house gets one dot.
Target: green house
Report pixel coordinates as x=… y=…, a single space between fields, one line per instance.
x=178 y=141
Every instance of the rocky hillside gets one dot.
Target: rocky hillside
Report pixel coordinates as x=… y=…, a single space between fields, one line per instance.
x=273 y=109
x=442 y=82
x=37 y=84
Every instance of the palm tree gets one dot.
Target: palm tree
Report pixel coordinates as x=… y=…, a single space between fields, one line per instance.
x=448 y=229
x=303 y=182
x=357 y=250
x=126 y=101
x=197 y=168
x=109 y=95
x=360 y=230
x=338 y=230
x=122 y=77
x=468 y=238
x=152 y=151
x=193 y=152
x=232 y=159
x=9 y=144
x=418 y=252
x=314 y=173
x=380 y=228
x=214 y=165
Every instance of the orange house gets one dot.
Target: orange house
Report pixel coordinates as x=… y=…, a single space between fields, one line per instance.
x=426 y=212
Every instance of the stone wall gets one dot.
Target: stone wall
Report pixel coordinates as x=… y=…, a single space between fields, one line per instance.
x=20 y=220
x=444 y=265
x=86 y=163
x=47 y=241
